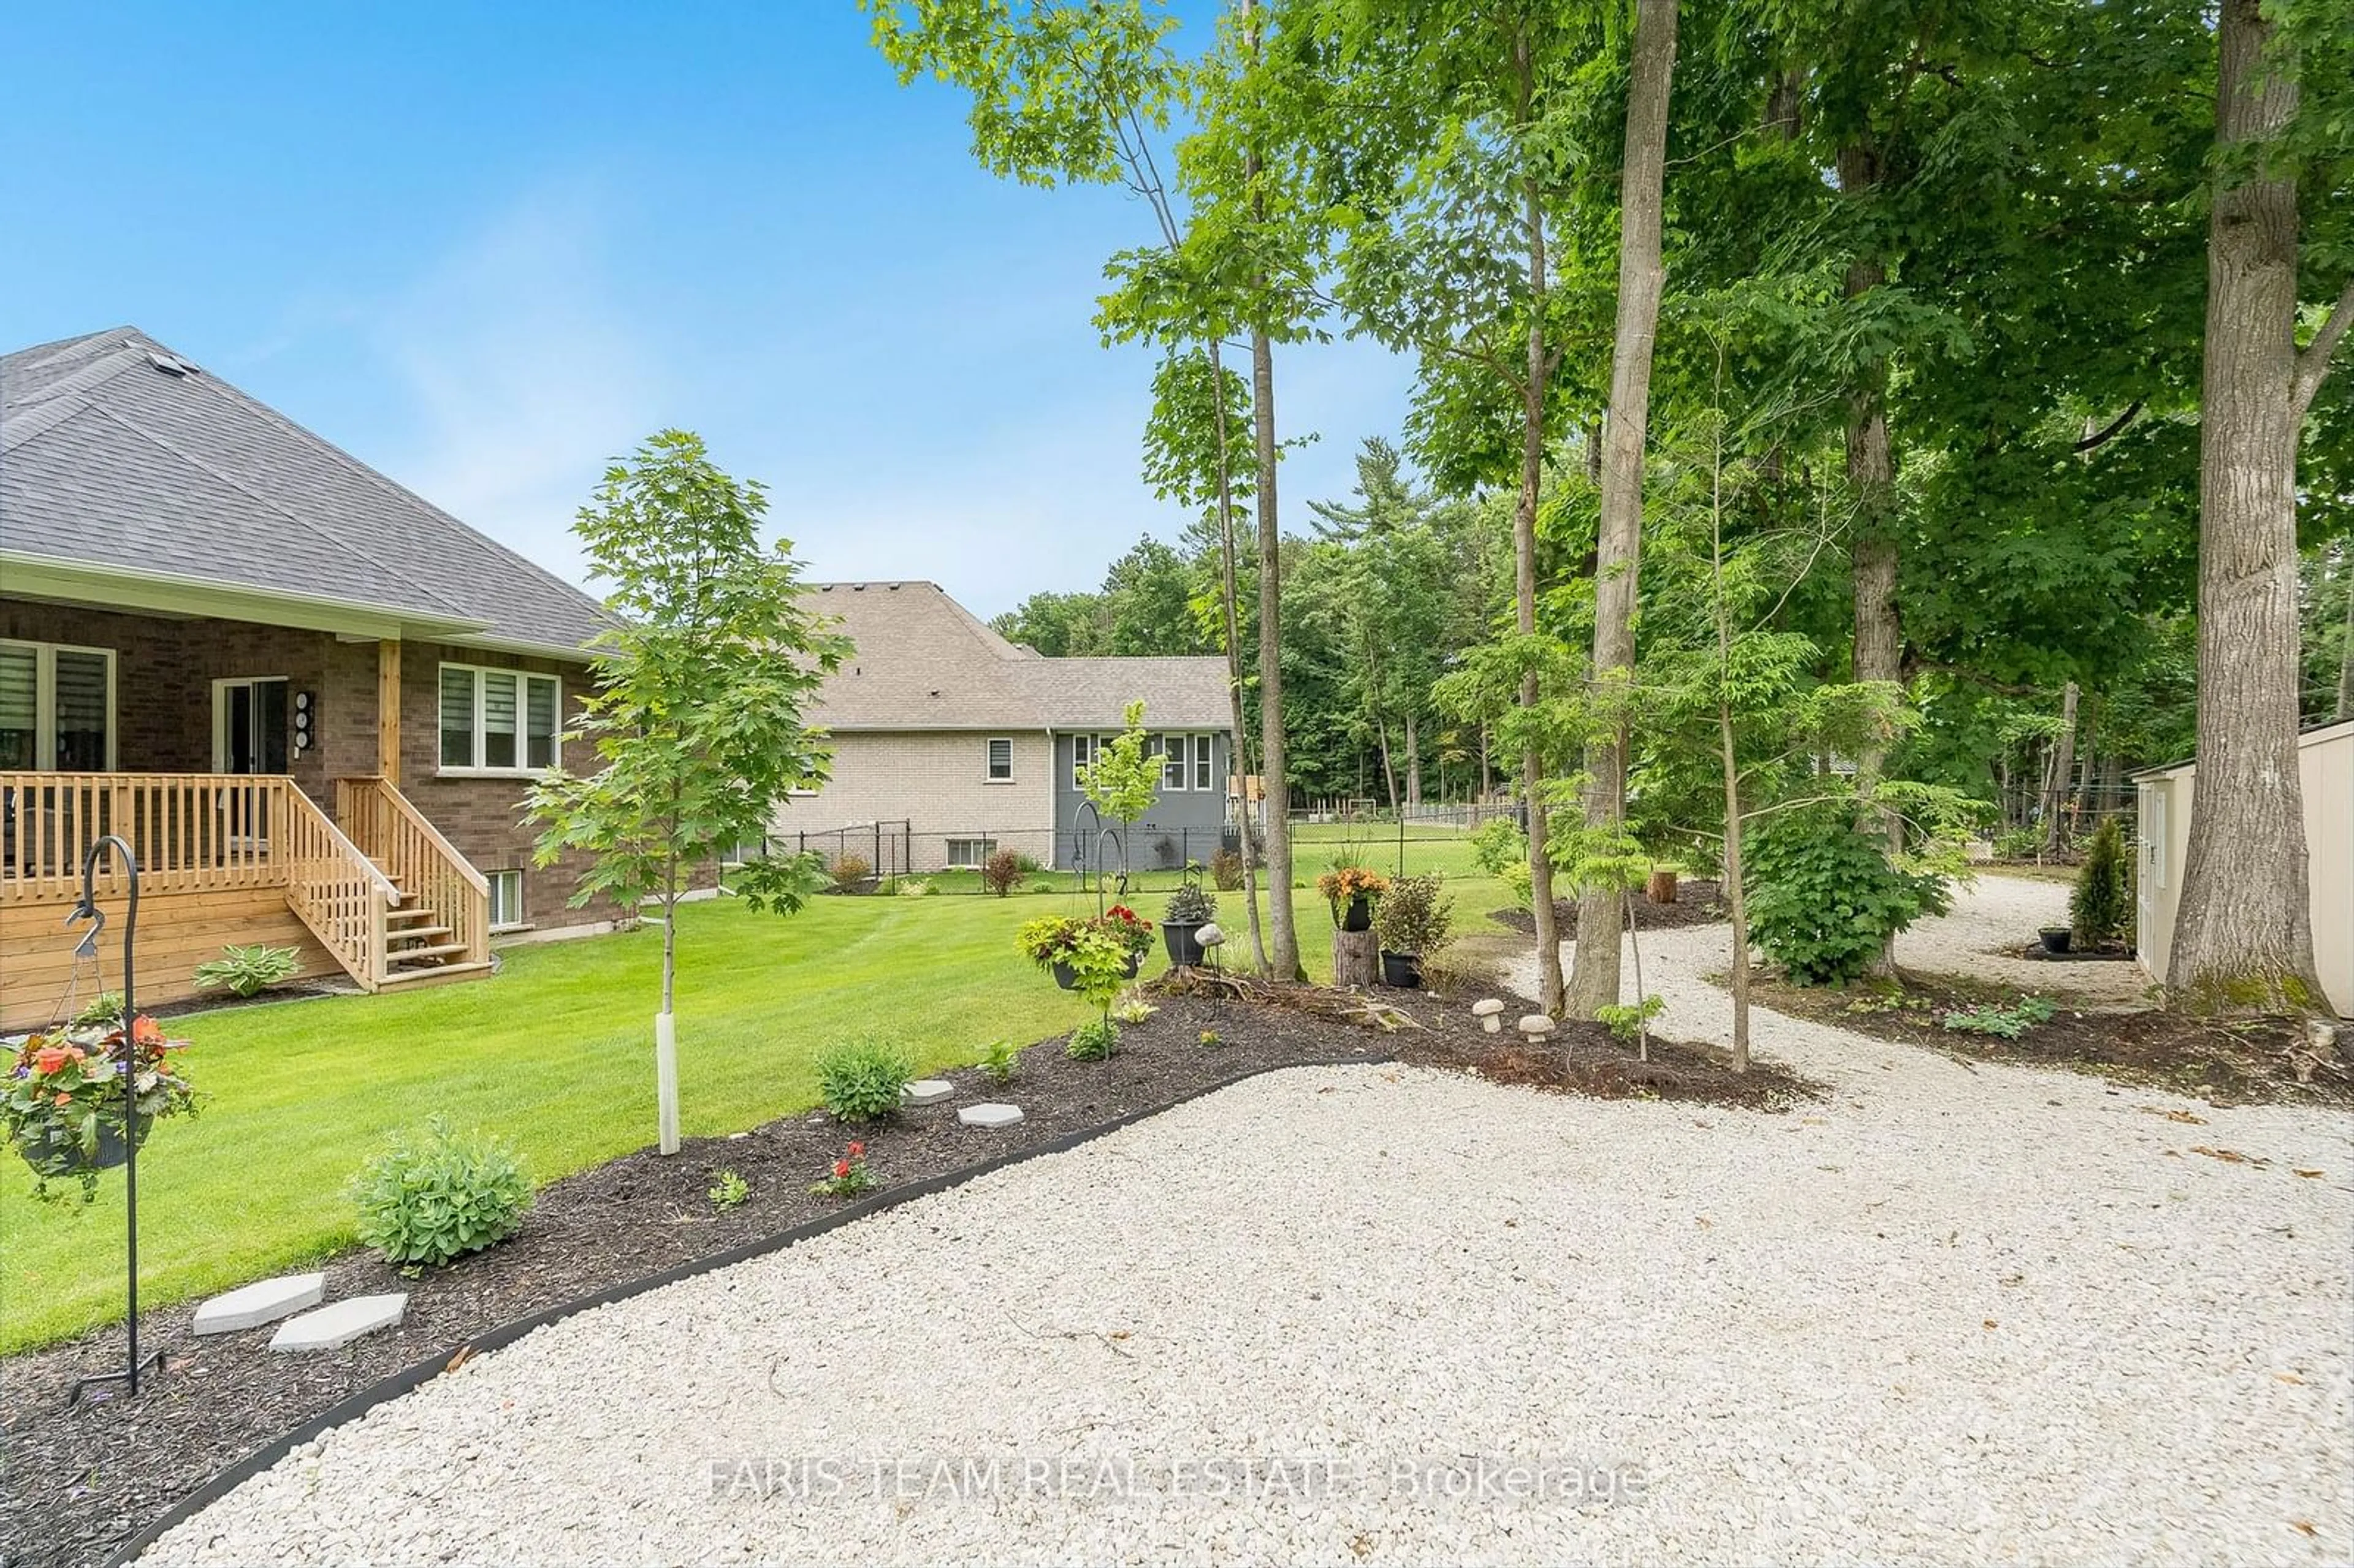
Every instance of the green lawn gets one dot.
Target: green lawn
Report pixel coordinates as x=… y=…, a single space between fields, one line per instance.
x=556 y=1053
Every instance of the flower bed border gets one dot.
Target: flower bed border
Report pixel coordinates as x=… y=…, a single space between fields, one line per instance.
x=417 y=1374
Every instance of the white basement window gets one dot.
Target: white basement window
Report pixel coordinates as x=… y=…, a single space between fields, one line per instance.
x=498 y=721
x=965 y=854
x=56 y=707
x=1000 y=759
x=507 y=899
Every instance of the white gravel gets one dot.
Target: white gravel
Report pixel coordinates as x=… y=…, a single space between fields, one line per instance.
x=1948 y=1316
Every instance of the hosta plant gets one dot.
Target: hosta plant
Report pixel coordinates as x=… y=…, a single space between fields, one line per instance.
x=249 y=970
x=861 y=1079
x=431 y=1197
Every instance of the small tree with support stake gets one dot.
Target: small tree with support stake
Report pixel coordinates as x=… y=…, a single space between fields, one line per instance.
x=696 y=712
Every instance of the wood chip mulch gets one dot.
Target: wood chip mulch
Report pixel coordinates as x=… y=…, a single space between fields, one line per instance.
x=1697 y=904
x=2263 y=1061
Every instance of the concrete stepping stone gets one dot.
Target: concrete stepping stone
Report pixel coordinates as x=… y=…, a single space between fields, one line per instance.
x=328 y=1327
x=928 y=1091
x=264 y=1301
x=990 y=1116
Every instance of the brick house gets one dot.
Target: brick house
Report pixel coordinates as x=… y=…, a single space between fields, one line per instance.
x=950 y=742
x=310 y=700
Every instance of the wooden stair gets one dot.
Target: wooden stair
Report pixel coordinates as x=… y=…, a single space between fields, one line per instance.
x=410 y=952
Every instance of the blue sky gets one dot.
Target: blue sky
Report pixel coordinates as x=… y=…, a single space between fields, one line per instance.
x=485 y=248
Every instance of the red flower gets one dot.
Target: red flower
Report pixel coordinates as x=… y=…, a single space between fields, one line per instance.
x=858 y=1151
x=49 y=1058
x=840 y=1167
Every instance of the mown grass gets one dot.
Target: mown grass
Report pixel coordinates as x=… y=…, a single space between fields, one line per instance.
x=554 y=1052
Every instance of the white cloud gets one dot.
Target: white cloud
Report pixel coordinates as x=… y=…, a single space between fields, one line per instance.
x=523 y=376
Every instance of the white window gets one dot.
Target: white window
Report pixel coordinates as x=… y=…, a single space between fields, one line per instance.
x=1174 y=755
x=507 y=899
x=1000 y=759
x=965 y=854
x=498 y=721
x=1204 y=763
x=56 y=707
x=1083 y=753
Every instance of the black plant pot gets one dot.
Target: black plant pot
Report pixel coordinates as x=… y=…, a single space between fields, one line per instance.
x=63 y=1156
x=1402 y=970
x=1184 y=950
x=2056 y=939
x=1358 y=915
x=1068 y=978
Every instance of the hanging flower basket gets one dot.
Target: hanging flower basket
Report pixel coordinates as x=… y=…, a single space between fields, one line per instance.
x=62 y=1104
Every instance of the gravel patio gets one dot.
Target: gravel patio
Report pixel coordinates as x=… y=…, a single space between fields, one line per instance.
x=1955 y=1312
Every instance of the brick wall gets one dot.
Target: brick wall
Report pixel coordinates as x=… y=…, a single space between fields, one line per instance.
x=938 y=782
x=165 y=667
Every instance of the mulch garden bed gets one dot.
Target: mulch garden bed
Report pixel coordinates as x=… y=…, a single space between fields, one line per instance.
x=1696 y=905
x=2240 y=1062
x=83 y=1479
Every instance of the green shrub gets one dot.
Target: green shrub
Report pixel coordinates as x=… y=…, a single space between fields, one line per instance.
x=1093 y=1041
x=1823 y=898
x=1189 y=906
x=2003 y=1022
x=249 y=971
x=728 y=1189
x=850 y=872
x=435 y=1196
x=2102 y=904
x=1414 y=917
x=914 y=887
x=861 y=1079
x=1498 y=844
x=2018 y=844
x=105 y=1011
x=1000 y=1059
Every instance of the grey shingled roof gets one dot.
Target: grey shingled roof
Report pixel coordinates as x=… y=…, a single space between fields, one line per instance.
x=107 y=459
x=924 y=661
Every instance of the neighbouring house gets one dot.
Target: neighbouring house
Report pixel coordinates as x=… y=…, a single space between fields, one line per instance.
x=310 y=700
x=2325 y=757
x=950 y=742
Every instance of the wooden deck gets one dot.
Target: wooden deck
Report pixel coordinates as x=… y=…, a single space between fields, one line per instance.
x=375 y=894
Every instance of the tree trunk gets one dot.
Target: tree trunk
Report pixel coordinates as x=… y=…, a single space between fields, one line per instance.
x=1524 y=561
x=1389 y=768
x=2344 y=709
x=2244 y=935
x=666 y=1021
x=1356 y=958
x=1239 y=761
x=1283 y=935
x=1414 y=763
x=1871 y=477
x=1593 y=980
x=2063 y=765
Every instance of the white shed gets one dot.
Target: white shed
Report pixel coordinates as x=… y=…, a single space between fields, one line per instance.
x=2326 y=762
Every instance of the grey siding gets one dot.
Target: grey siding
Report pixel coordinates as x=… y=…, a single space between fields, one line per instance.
x=1183 y=824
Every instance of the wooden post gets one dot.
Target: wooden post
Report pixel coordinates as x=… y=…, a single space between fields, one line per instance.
x=1356 y=961
x=388 y=711
x=1663 y=888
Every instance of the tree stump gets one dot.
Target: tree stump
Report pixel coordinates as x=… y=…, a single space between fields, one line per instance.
x=1356 y=958
x=1663 y=888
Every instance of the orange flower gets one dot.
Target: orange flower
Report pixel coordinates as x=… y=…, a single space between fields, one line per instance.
x=49 y=1058
x=145 y=1031
x=840 y=1167
x=65 y=1099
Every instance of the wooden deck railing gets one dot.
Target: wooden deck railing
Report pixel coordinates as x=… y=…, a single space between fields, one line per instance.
x=396 y=835
x=193 y=832
x=335 y=890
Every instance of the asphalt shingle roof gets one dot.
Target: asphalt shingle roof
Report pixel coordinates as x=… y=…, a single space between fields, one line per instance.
x=924 y=661
x=108 y=458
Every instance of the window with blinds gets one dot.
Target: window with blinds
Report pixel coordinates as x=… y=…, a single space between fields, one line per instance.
x=498 y=721
x=57 y=706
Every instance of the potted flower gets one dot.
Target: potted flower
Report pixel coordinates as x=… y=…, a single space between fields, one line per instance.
x=62 y=1102
x=1409 y=924
x=1051 y=942
x=1189 y=909
x=1131 y=930
x=1352 y=890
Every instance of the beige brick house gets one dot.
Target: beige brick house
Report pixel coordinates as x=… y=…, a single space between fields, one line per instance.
x=950 y=742
x=310 y=700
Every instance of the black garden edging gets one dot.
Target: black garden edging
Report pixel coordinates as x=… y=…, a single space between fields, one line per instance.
x=419 y=1373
